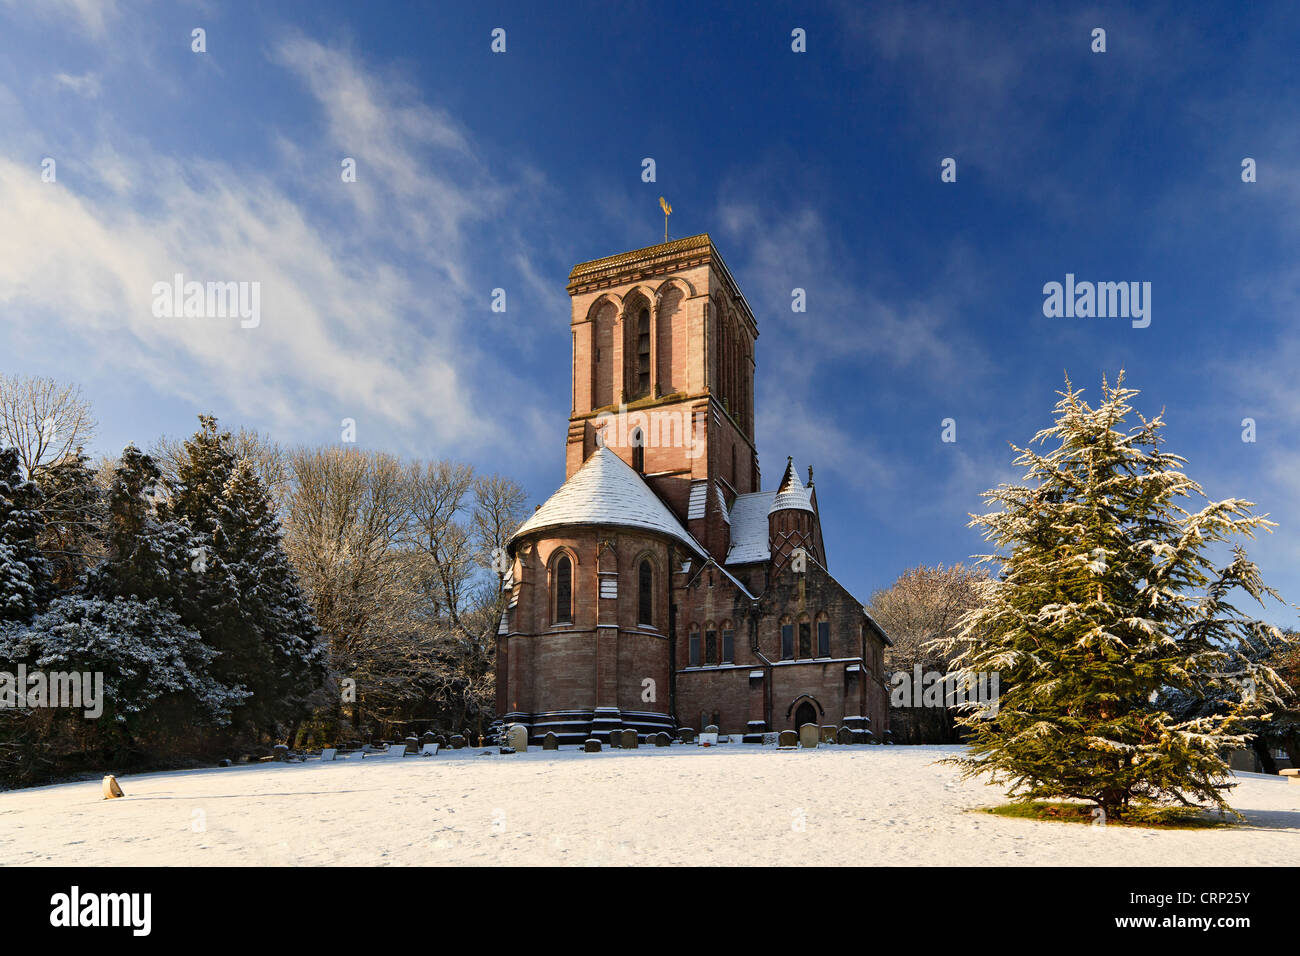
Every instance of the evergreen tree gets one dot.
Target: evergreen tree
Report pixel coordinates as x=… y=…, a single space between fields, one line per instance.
x=1108 y=598
x=74 y=515
x=147 y=553
x=271 y=605
x=24 y=572
x=244 y=597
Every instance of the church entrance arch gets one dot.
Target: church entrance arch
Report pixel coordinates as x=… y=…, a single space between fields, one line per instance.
x=805 y=714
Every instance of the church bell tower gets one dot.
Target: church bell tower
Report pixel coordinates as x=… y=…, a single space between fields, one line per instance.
x=663 y=374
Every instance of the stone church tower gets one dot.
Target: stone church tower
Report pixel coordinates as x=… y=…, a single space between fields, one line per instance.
x=660 y=587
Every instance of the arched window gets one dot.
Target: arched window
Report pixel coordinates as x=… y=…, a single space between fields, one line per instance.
x=638 y=451
x=645 y=593
x=643 y=353
x=564 y=590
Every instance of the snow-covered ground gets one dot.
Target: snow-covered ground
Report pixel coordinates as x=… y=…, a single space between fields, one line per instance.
x=734 y=804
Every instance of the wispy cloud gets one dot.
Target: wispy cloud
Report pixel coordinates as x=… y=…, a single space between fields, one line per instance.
x=370 y=290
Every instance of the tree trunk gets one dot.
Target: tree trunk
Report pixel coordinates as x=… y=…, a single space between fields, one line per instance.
x=1265 y=758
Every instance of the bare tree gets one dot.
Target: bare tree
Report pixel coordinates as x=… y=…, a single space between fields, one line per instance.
x=923 y=606
x=46 y=421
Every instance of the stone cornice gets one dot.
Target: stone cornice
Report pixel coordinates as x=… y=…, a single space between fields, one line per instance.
x=662 y=259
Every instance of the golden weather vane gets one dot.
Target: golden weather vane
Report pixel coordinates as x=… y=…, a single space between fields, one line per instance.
x=668 y=211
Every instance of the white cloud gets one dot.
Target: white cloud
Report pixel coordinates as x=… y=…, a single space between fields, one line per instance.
x=368 y=290
x=87 y=84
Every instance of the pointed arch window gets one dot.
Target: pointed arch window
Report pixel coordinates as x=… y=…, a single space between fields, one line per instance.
x=638 y=451
x=645 y=593
x=564 y=590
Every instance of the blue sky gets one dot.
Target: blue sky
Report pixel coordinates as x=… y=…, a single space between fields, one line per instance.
x=818 y=170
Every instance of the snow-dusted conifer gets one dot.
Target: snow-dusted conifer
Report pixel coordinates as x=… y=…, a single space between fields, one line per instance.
x=1108 y=598
x=24 y=573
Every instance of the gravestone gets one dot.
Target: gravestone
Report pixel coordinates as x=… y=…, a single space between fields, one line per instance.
x=111 y=789
x=711 y=729
x=787 y=740
x=709 y=738
x=591 y=745
x=686 y=735
x=412 y=745
x=845 y=736
x=457 y=742
x=550 y=741
x=429 y=750
x=662 y=739
x=225 y=762
x=629 y=741
x=828 y=734
x=280 y=753
x=328 y=753
x=615 y=739
x=808 y=735
x=517 y=738
x=428 y=737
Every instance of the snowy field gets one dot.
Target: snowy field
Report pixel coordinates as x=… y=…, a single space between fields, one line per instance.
x=729 y=805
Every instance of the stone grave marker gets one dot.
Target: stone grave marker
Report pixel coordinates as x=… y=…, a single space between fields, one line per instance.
x=517 y=738
x=808 y=735
x=591 y=745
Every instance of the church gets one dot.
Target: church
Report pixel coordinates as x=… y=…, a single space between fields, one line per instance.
x=661 y=587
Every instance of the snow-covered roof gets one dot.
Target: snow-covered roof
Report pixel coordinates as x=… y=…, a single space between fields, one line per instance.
x=791 y=494
x=606 y=491
x=749 y=528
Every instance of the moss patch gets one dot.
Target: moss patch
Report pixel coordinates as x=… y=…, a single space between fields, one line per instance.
x=1156 y=818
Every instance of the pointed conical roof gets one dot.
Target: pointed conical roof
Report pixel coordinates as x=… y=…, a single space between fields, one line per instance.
x=606 y=491
x=791 y=494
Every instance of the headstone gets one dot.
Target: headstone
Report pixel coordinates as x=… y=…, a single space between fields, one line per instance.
x=711 y=729
x=629 y=741
x=808 y=735
x=412 y=745
x=224 y=762
x=844 y=736
x=686 y=735
x=828 y=734
x=615 y=739
x=591 y=745
x=457 y=742
x=709 y=738
x=662 y=739
x=280 y=753
x=396 y=750
x=550 y=741
x=428 y=737
x=111 y=789
x=429 y=750
x=517 y=738
x=329 y=753
x=787 y=740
